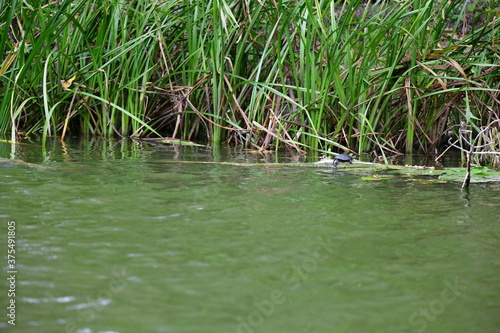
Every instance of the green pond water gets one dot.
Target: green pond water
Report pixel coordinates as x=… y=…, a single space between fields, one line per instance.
x=122 y=237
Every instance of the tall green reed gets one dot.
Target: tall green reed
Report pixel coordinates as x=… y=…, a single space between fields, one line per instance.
x=320 y=76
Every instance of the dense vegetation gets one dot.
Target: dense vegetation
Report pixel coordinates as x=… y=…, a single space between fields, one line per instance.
x=308 y=75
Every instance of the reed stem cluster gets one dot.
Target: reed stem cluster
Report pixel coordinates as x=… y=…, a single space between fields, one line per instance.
x=384 y=76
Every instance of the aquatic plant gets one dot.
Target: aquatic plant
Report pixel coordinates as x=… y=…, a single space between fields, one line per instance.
x=384 y=76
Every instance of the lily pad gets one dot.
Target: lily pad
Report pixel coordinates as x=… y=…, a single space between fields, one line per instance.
x=377 y=177
x=478 y=174
x=167 y=140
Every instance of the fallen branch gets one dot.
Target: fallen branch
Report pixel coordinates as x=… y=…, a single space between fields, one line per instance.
x=472 y=147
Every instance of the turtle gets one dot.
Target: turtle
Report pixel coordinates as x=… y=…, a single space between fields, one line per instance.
x=342 y=158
